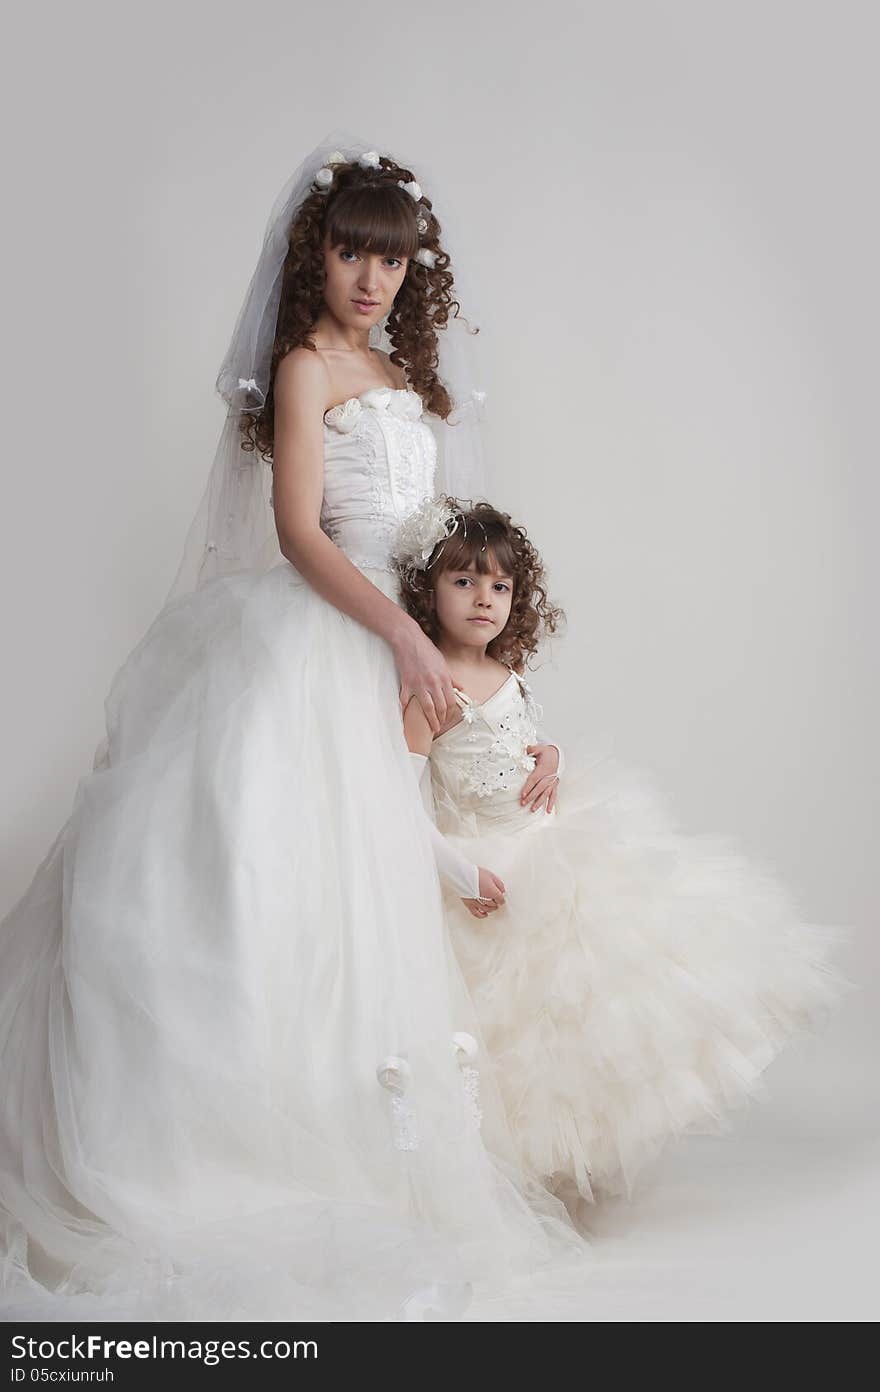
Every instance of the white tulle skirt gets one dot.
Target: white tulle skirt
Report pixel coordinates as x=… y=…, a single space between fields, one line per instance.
x=239 y=922
x=637 y=981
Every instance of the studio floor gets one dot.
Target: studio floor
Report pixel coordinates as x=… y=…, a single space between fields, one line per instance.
x=777 y=1221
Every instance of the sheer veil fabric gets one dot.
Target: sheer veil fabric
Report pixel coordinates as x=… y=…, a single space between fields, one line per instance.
x=236 y=929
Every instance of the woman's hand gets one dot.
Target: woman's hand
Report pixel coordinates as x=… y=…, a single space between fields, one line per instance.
x=424 y=675
x=492 y=894
x=542 y=784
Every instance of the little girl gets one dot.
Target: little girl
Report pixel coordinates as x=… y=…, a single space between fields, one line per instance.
x=631 y=982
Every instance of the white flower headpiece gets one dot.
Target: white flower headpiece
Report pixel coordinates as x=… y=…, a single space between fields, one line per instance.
x=419 y=534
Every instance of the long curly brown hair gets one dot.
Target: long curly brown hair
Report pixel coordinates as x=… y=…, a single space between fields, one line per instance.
x=364 y=210
x=486 y=540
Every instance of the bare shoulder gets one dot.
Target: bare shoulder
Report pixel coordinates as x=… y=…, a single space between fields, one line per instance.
x=394 y=371
x=302 y=383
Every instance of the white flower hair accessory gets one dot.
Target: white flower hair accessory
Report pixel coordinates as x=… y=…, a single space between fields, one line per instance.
x=412 y=188
x=369 y=159
x=323 y=179
x=424 y=530
x=419 y=533
x=426 y=257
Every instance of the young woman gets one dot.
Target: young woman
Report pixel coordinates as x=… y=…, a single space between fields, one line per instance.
x=240 y=923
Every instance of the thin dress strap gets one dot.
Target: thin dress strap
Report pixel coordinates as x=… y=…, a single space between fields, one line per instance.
x=523 y=684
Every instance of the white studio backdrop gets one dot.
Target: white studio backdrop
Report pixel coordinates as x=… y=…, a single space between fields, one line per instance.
x=673 y=215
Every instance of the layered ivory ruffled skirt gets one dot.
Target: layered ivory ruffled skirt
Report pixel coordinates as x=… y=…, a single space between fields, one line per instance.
x=238 y=923
x=637 y=981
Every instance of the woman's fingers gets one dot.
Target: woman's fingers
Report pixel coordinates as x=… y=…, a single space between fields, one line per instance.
x=426 y=701
x=448 y=694
x=441 y=694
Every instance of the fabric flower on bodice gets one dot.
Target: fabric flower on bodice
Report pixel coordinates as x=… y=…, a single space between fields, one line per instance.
x=397 y=401
x=469 y=720
x=502 y=766
x=400 y=401
x=345 y=416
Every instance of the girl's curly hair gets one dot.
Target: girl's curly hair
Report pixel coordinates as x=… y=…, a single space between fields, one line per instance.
x=364 y=210
x=488 y=541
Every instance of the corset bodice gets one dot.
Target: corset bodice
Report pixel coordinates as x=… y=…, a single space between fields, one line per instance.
x=380 y=458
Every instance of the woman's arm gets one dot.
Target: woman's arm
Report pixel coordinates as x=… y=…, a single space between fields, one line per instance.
x=301 y=390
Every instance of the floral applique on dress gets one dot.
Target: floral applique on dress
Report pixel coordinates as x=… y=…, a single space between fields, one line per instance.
x=505 y=761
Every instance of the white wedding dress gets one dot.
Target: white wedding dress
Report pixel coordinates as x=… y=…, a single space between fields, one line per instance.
x=239 y=922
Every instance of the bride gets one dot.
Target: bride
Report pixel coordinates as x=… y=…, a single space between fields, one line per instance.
x=236 y=1052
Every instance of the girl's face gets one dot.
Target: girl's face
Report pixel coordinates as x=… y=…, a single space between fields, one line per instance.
x=353 y=277
x=472 y=609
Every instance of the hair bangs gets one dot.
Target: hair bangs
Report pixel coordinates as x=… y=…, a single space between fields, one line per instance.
x=484 y=548
x=373 y=218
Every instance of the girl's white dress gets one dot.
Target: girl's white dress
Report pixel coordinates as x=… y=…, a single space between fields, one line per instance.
x=637 y=981
x=237 y=926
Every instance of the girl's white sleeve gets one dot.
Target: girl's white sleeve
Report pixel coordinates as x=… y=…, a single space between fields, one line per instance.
x=458 y=872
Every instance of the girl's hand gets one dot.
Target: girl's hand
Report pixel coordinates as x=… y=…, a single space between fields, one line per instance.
x=542 y=784
x=492 y=894
x=424 y=675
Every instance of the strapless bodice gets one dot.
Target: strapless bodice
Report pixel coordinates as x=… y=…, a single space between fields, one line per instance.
x=380 y=458
x=478 y=766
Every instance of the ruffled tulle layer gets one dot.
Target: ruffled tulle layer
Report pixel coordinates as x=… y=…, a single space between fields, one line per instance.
x=636 y=983
x=239 y=922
